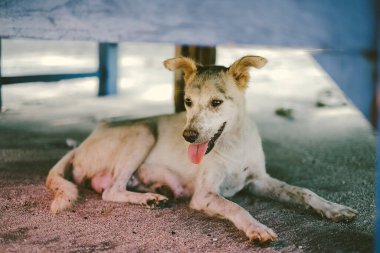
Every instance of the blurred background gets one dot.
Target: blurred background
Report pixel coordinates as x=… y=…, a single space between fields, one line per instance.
x=145 y=87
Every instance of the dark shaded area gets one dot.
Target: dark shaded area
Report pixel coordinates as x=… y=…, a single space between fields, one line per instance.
x=14 y=235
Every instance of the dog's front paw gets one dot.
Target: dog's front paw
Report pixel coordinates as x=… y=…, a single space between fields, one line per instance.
x=260 y=233
x=338 y=212
x=156 y=200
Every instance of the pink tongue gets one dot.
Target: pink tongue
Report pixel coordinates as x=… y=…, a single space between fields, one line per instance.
x=196 y=152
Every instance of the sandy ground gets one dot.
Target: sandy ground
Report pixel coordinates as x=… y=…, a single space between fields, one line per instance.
x=330 y=150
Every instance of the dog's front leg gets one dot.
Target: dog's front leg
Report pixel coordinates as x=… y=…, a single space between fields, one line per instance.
x=215 y=205
x=208 y=200
x=267 y=186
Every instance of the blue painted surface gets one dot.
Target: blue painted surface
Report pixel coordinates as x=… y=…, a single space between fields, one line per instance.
x=354 y=74
x=333 y=24
x=107 y=69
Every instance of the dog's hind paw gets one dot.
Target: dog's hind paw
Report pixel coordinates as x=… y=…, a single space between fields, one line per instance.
x=60 y=204
x=156 y=201
x=64 y=200
x=338 y=212
x=260 y=233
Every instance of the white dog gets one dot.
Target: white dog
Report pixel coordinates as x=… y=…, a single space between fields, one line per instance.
x=209 y=152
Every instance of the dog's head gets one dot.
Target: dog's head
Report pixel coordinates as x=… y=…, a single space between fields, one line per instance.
x=214 y=100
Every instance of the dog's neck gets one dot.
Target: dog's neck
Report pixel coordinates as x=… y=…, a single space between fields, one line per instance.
x=242 y=118
x=238 y=128
x=231 y=147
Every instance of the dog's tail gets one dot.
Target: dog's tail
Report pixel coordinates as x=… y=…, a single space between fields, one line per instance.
x=65 y=192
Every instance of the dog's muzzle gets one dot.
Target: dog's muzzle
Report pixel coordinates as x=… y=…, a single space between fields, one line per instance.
x=190 y=135
x=197 y=151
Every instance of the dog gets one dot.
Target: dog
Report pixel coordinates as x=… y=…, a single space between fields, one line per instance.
x=208 y=153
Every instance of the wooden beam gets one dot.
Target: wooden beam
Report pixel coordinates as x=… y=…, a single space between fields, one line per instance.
x=334 y=24
x=44 y=78
x=202 y=55
x=107 y=69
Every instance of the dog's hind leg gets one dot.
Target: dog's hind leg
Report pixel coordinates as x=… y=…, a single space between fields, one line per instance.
x=65 y=192
x=117 y=191
x=269 y=187
x=131 y=155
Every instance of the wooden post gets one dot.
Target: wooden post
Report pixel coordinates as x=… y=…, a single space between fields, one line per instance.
x=107 y=69
x=202 y=55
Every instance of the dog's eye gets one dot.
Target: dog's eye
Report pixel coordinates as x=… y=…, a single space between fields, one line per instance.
x=216 y=102
x=188 y=102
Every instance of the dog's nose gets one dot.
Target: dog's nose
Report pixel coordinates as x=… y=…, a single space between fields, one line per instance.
x=190 y=135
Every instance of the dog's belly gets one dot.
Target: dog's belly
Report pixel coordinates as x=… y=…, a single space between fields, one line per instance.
x=156 y=177
x=164 y=169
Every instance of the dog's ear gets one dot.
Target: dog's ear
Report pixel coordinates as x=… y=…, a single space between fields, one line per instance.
x=239 y=69
x=187 y=65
